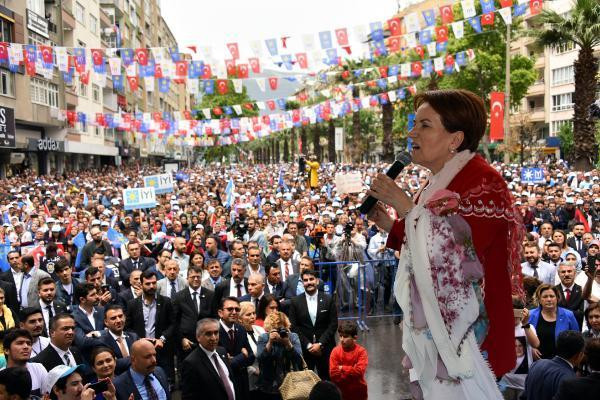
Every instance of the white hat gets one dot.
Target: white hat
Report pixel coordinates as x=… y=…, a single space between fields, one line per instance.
x=103 y=223
x=570 y=200
x=579 y=202
x=60 y=204
x=339 y=212
x=199 y=226
x=56 y=228
x=72 y=209
x=336 y=204
x=50 y=220
x=56 y=373
x=308 y=216
x=175 y=207
x=96 y=222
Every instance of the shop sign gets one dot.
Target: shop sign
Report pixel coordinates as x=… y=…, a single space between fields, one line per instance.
x=37 y=24
x=7 y=127
x=48 y=145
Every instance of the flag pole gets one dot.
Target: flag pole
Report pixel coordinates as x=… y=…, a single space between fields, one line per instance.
x=507 y=138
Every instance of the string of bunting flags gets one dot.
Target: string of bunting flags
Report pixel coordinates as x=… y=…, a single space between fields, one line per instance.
x=136 y=64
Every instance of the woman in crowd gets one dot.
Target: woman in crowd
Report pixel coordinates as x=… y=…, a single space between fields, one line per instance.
x=278 y=352
x=549 y=320
x=267 y=304
x=7 y=321
x=247 y=319
x=592 y=319
x=443 y=352
x=103 y=362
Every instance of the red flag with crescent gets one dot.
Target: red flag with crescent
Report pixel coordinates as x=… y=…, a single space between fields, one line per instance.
x=496 y=115
x=133 y=82
x=383 y=71
x=342 y=36
x=271 y=104
x=273 y=81
x=535 y=6
x=488 y=19
x=158 y=71
x=46 y=54
x=97 y=56
x=222 y=86
x=233 y=50
x=394 y=44
x=441 y=33
x=302 y=60
x=416 y=68
x=84 y=77
x=141 y=55
x=230 y=66
x=242 y=71
x=420 y=50
x=3 y=50
x=206 y=71
x=181 y=68
x=254 y=64
x=446 y=14
x=394 y=26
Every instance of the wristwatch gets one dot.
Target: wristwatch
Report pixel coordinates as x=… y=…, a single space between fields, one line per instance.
x=526 y=326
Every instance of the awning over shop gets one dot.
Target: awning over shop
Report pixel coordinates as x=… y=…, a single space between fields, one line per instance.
x=88 y=148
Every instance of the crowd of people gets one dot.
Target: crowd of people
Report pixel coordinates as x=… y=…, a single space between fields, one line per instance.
x=223 y=291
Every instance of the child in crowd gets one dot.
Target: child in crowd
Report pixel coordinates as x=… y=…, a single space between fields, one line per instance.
x=348 y=363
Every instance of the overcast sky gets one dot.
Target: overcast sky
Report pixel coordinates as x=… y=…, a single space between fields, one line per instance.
x=217 y=22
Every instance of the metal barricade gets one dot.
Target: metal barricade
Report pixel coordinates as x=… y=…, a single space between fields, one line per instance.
x=361 y=290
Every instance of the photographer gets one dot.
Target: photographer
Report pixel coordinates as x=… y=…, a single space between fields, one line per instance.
x=278 y=351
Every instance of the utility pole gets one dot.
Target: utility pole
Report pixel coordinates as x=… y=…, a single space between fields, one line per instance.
x=507 y=138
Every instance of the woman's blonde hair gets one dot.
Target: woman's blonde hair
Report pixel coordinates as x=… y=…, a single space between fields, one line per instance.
x=276 y=320
x=246 y=307
x=542 y=288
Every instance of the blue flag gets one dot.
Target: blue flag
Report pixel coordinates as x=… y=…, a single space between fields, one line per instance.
x=115 y=238
x=272 y=46
x=118 y=82
x=429 y=17
x=4 y=249
x=487 y=6
x=209 y=86
x=229 y=193
x=520 y=9
x=280 y=179
x=475 y=23
x=85 y=199
x=425 y=36
x=325 y=39
x=79 y=241
x=376 y=31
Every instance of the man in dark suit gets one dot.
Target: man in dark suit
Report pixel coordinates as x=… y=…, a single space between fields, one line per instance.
x=150 y=316
x=190 y=305
x=545 y=375
x=256 y=286
x=135 y=261
x=233 y=337
x=205 y=373
x=94 y=275
x=11 y=278
x=237 y=286
x=313 y=316
x=294 y=286
x=274 y=284
x=65 y=284
x=115 y=337
x=143 y=372
x=570 y=293
x=576 y=241
x=287 y=265
x=89 y=317
x=47 y=302
x=582 y=387
x=133 y=291
x=60 y=350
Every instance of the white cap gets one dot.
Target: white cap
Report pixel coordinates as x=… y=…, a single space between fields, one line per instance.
x=308 y=216
x=336 y=204
x=96 y=222
x=60 y=204
x=570 y=200
x=339 y=212
x=50 y=220
x=56 y=228
x=199 y=226
x=579 y=202
x=103 y=223
x=56 y=373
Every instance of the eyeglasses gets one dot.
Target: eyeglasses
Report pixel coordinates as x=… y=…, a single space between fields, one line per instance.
x=232 y=309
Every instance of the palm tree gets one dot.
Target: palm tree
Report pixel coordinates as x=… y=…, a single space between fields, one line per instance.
x=582 y=27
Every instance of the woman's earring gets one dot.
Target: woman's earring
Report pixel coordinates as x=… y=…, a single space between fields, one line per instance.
x=452 y=151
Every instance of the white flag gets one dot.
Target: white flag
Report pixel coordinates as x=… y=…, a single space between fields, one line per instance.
x=192 y=86
x=206 y=112
x=100 y=79
x=237 y=85
x=261 y=82
x=392 y=95
x=431 y=49
x=438 y=64
x=114 y=64
x=149 y=82
x=411 y=21
x=458 y=28
x=411 y=40
x=131 y=70
x=506 y=14
x=468 y=8
x=260 y=105
x=255 y=46
x=392 y=79
x=158 y=54
x=405 y=69
x=62 y=59
x=237 y=108
x=308 y=40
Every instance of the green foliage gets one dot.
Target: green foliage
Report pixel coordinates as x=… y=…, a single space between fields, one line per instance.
x=566 y=141
x=231 y=98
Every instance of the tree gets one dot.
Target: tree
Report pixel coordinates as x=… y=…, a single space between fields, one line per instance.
x=565 y=133
x=582 y=27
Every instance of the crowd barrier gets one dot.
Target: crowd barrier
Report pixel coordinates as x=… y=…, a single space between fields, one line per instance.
x=362 y=289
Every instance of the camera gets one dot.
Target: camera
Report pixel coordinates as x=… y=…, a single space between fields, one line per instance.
x=591 y=265
x=348 y=228
x=283 y=333
x=240 y=228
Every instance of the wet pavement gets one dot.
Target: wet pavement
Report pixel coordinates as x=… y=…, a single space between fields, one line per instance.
x=386 y=378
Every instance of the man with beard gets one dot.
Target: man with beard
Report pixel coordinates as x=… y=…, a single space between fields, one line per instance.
x=151 y=316
x=254 y=234
x=314 y=318
x=237 y=251
x=32 y=320
x=236 y=286
x=535 y=267
x=134 y=261
x=554 y=252
x=179 y=248
x=213 y=251
x=115 y=337
x=576 y=241
x=47 y=303
x=17 y=350
x=90 y=247
x=570 y=293
x=88 y=315
x=64 y=285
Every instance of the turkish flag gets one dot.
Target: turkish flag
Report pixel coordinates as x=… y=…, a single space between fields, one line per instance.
x=100 y=118
x=496 y=115
x=46 y=54
x=487 y=19
x=266 y=120
x=420 y=51
x=441 y=33
x=142 y=56
x=206 y=71
x=394 y=26
x=133 y=82
x=157 y=116
x=230 y=66
x=412 y=89
x=416 y=68
x=242 y=71
x=3 y=50
x=249 y=106
x=30 y=68
x=187 y=114
x=581 y=218
x=383 y=71
x=302 y=60
x=342 y=36
x=222 y=86
x=254 y=64
x=273 y=82
x=217 y=111
x=233 y=50
x=449 y=60
x=97 y=56
x=394 y=44
x=181 y=68
x=158 y=72
x=271 y=104
x=84 y=77
x=506 y=3
x=535 y=6
x=446 y=14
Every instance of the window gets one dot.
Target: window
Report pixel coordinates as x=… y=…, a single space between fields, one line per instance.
x=95 y=93
x=109 y=133
x=97 y=130
x=563 y=75
x=82 y=90
x=563 y=48
x=80 y=13
x=6 y=31
x=93 y=24
x=36 y=39
x=562 y=101
x=43 y=92
x=37 y=6
x=556 y=125
x=7 y=83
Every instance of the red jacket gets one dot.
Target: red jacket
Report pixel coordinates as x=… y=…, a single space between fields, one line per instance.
x=351 y=378
x=488 y=207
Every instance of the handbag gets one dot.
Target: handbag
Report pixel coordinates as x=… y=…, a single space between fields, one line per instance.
x=297 y=385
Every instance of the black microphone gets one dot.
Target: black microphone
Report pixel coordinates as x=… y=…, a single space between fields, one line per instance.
x=401 y=161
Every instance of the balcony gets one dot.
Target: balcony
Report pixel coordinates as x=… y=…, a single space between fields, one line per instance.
x=537 y=114
x=67 y=16
x=119 y=6
x=540 y=62
x=537 y=88
x=71 y=98
x=105 y=20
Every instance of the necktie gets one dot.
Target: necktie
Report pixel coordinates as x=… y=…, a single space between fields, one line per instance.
x=256 y=303
x=223 y=377
x=149 y=389
x=195 y=294
x=231 y=341
x=535 y=271
x=239 y=290
x=122 y=347
x=173 y=289
x=50 y=313
x=67 y=359
x=567 y=294
x=578 y=244
x=135 y=265
x=287 y=272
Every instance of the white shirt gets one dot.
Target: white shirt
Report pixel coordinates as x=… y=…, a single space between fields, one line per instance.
x=37 y=346
x=233 y=288
x=38 y=374
x=61 y=354
x=545 y=271
x=313 y=304
x=209 y=354
x=90 y=317
x=44 y=308
x=192 y=291
x=286 y=270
